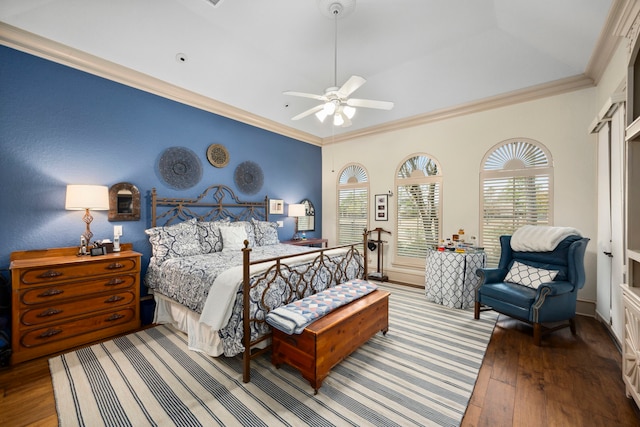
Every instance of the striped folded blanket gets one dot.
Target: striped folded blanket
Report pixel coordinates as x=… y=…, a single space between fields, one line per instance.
x=294 y=317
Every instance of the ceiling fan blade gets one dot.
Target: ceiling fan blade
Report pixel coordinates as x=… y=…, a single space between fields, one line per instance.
x=351 y=86
x=305 y=95
x=369 y=103
x=308 y=112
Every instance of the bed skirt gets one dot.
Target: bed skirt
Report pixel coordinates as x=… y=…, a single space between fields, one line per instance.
x=201 y=337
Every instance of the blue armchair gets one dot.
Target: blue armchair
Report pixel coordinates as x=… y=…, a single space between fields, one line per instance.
x=552 y=302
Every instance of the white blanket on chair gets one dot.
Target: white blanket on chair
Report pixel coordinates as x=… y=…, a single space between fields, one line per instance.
x=540 y=238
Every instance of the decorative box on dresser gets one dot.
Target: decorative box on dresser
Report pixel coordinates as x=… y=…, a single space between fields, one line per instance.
x=61 y=300
x=631 y=290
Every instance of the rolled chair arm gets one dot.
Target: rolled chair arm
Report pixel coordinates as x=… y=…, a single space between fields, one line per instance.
x=554 y=288
x=491 y=275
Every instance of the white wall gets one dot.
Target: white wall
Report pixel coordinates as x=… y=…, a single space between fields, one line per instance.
x=560 y=123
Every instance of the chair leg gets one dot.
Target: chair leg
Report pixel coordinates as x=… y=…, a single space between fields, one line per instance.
x=572 y=325
x=537 y=334
x=476 y=310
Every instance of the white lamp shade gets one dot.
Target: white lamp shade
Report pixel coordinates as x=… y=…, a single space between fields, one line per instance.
x=81 y=197
x=297 y=210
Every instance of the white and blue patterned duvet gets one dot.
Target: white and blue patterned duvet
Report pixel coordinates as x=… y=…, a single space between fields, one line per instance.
x=211 y=285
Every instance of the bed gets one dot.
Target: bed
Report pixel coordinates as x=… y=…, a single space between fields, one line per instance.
x=217 y=269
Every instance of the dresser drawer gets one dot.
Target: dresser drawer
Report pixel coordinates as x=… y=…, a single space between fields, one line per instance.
x=58 y=312
x=67 y=330
x=53 y=293
x=63 y=273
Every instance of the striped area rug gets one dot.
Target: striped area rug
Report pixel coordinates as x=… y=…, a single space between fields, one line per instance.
x=421 y=373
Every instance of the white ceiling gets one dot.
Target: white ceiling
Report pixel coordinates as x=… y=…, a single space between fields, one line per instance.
x=424 y=55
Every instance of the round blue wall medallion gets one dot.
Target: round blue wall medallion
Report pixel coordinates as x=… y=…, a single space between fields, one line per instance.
x=248 y=177
x=180 y=167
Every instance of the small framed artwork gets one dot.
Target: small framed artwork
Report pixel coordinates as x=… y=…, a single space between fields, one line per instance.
x=381 y=207
x=276 y=207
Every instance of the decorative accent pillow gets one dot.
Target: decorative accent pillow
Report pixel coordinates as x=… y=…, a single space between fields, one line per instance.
x=174 y=241
x=210 y=237
x=266 y=232
x=248 y=227
x=233 y=237
x=532 y=277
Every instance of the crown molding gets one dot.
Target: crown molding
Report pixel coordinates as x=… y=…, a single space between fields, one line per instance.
x=33 y=44
x=557 y=87
x=25 y=41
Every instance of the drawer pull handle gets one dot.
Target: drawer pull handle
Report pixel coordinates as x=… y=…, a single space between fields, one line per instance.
x=115 y=266
x=51 y=292
x=49 y=274
x=114 y=316
x=114 y=298
x=114 y=282
x=49 y=333
x=50 y=312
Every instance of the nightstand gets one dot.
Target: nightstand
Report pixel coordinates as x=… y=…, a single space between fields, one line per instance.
x=61 y=300
x=307 y=242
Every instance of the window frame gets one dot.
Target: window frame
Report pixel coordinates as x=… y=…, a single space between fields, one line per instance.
x=357 y=182
x=518 y=171
x=402 y=258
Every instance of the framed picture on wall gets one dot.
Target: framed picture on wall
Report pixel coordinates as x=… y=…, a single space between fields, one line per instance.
x=381 y=207
x=276 y=207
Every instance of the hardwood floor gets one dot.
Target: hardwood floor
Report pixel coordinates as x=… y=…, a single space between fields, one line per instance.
x=568 y=381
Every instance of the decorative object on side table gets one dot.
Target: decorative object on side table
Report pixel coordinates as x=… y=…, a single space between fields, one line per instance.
x=180 y=167
x=248 y=177
x=87 y=198
x=296 y=210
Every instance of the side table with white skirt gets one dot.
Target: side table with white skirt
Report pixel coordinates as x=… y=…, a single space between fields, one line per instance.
x=450 y=277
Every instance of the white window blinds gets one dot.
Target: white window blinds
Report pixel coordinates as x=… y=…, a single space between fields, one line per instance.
x=516 y=190
x=353 y=204
x=419 y=211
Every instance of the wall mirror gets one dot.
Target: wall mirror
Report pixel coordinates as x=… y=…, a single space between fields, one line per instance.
x=124 y=202
x=307 y=223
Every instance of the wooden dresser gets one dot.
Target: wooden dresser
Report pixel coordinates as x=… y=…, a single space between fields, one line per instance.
x=61 y=300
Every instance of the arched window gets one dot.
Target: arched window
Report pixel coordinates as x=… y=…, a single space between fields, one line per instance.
x=517 y=184
x=419 y=207
x=353 y=204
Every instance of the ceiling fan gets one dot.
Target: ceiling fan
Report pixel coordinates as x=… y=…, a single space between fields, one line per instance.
x=336 y=101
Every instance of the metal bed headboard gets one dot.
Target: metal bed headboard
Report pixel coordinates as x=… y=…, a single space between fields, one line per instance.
x=217 y=202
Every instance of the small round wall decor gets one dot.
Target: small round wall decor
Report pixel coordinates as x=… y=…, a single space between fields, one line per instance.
x=180 y=167
x=218 y=155
x=248 y=177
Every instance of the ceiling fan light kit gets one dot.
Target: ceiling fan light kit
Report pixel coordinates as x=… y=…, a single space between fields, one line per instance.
x=336 y=101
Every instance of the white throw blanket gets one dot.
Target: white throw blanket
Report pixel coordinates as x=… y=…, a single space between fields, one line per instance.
x=540 y=238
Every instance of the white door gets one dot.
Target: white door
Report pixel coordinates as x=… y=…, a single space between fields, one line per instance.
x=617 y=221
x=603 y=256
x=610 y=256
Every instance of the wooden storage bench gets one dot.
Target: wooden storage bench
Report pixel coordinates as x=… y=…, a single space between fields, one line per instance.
x=327 y=341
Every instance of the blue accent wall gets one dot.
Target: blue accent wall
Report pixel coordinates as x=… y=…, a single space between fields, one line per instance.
x=62 y=126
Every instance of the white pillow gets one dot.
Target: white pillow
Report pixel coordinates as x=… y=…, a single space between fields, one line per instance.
x=532 y=277
x=233 y=238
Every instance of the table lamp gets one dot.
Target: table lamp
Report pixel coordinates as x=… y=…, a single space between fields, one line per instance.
x=297 y=210
x=87 y=198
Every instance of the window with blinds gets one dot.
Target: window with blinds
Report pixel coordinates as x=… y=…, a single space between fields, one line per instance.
x=419 y=210
x=517 y=183
x=353 y=204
